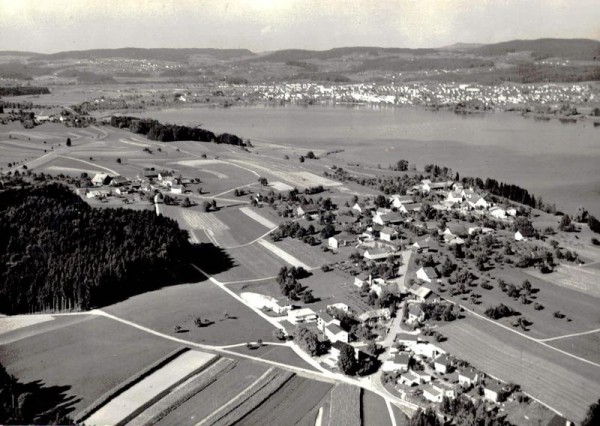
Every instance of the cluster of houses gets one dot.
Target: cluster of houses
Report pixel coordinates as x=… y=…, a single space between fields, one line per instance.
x=104 y=184
x=441 y=380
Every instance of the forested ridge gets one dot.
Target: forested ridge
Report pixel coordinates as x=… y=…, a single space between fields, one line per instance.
x=157 y=131
x=57 y=252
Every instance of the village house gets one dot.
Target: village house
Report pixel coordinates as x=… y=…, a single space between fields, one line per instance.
x=176 y=189
x=340 y=240
x=362 y=278
x=422 y=246
x=311 y=210
x=398 y=362
x=409 y=378
x=442 y=364
x=406 y=339
x=436 y=186
x=437 y=391
x=427 y=274
x=455 y=230
x=388 y=219
x=492 y=391
x=377 y=254
x=497 y=213
x=97 y=193
x=119 y=181
x=409 y=208
x=340 y=306
x=304 y=315
x=427 y=350
x=399 y=200
x=324 y=319
x=164 y=175
x=336 y=334
x=468 y=377
x=388 y=234
x=375 y=315
x=524 y=234
x=364 y=207
x=415 y=313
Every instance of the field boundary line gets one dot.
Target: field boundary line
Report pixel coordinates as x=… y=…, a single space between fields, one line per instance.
x=258 y=218
x=569 y=335
x=538 y=341
x=111 y=394
x=390 y=411
x=248 y=391
x=250 y=281
x=279 y=252
x=89 y=164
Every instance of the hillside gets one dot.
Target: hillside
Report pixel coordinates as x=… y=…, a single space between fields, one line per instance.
x=580 y=49
x=57 y=252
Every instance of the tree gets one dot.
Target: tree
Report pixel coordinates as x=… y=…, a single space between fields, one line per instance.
x=263 y=181
x=307 y=297
x=205 y=206
x=310 y=155
x=279 y=334
x=214 y=204
x=69 y=142
x=593 y=415
x=302 y=159
x=565 y=224
x=347 y=360
x=186 y=202
x=594 y=224
x=119 y=160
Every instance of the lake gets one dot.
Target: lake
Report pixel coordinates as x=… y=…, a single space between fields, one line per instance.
x=558 y=161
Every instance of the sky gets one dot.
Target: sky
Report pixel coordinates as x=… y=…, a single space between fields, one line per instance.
x=48 y=26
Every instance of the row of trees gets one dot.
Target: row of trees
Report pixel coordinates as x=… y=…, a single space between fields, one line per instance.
x=58 y=253
x=156 y=131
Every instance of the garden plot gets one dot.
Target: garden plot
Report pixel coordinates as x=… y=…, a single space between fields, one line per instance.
x=90 y=356
x=124 y=405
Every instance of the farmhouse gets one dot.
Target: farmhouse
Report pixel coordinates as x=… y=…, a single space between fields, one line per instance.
x=164 y=175
x=100 y=179
x=436 y=186
x=427 y=274
x=119 y=181
x=455 y=230
x=304 y=315
x=399 y=361
x=97 y=193
x=409 y=208
x=177 y=189
x=468 y=377
x=364 y=207
x=340 y=240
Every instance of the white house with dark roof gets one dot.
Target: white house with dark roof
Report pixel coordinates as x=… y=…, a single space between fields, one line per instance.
x=308 y=209
x=427 y=274
x=100 y=178
x=492 y=391
x=399 y=200
x=468 y=377
x=398 y=362
x=336 y=334
x=388 y=234
x=304 y=315
x=442 y=364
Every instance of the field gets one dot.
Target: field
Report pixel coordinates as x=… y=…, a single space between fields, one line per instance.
x=251 y=262
x=345 y=406
x=226 y=387
x=566 y=384
x=281 y=354
x=582 y=279
x=374 y=410
x=124 y=405
x=585 y=346
x=166 y=308
x=88 y=357
x=290 y=404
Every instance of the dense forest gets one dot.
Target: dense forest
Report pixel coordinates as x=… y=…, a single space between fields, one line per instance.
x=156 y=131
x=23 y=90
x=31 y=403
x=57 y=252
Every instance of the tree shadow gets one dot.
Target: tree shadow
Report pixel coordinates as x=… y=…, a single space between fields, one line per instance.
x=41 y=404
x=210 y=258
